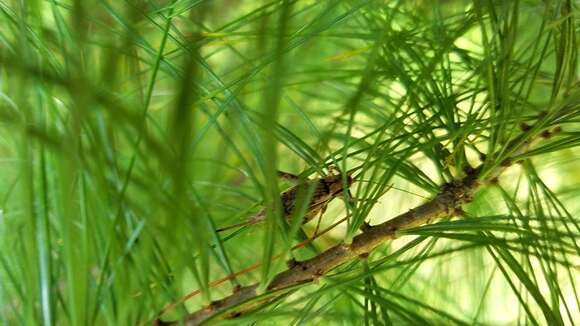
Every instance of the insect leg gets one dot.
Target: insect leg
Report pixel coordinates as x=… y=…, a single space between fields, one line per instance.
x=350 y=198
x=322 y=210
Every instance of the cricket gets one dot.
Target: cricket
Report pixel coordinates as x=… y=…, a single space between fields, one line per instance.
x=325 y=189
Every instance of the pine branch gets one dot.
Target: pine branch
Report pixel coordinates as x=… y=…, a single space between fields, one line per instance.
x=448 y=202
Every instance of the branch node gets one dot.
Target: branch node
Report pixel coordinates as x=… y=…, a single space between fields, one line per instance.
x=482 y=157
x=365 y=226
x=546 y=134
x=291 y=263
x=364 y=256
x=458 y=211
x=468 y=169
x=317 y=275
x=210 y=307
x=446 y=187
x=235 y=314
x=506 y=163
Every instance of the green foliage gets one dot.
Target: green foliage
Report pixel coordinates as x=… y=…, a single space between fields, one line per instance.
x=133 y=130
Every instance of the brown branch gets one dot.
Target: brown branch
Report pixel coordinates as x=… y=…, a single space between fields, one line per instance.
x=451 y=198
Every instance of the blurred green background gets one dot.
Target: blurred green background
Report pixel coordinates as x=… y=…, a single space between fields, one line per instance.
x=131 y=130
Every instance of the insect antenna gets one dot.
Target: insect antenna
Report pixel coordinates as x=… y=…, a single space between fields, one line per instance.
x=233 y=226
